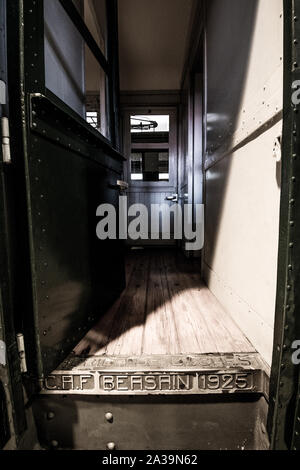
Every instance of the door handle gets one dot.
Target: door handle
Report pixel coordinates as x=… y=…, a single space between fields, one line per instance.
x=122 y=185
x=119 y=186
x=173 y=198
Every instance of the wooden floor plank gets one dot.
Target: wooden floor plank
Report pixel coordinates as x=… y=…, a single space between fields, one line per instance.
x=216 y=324
x=160 y=335
x=227 y=336
x=96 y=340
x=165 y=309
x=194 y=336
x=128 y=327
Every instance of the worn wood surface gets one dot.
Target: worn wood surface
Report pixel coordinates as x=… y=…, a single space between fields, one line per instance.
x=165 y=309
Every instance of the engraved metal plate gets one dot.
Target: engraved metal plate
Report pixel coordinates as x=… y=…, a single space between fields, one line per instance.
x=217 y=374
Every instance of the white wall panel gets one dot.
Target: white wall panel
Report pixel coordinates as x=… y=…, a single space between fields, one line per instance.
x=245 y=94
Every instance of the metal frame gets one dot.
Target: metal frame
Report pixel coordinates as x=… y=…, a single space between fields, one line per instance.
x=80 y=25
x=284 y=412
x=10 y=373
x=34 y=57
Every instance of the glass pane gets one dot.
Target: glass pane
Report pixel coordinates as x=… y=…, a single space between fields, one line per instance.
x=95 y=92
x=95 y=19
x=150 y=123
x=150 y=165
x=137 y=166
x=64 y=52
x=150 y=128
x=71 y=70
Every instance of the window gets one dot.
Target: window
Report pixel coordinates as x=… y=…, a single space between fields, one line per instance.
x=76 y=63
x=150 y=165
x=149 y=147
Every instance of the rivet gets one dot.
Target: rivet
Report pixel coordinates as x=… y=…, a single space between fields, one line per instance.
x=109 y=417
x=50 y=415
x=45 y=333
x=34 y=124
x=54 y=443
x=111 y=446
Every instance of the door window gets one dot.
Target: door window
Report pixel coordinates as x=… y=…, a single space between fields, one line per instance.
x=149 y=158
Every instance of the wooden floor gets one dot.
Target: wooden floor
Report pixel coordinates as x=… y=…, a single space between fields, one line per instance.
x=165 y=309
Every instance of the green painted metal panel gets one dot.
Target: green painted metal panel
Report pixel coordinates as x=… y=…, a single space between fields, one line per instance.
x=75 y=276
x=65 y=169
x=152 y=423
x=284 y=417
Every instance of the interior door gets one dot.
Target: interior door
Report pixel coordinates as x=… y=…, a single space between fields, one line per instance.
x=191 y=149
x=67 y=169
x=151 y=170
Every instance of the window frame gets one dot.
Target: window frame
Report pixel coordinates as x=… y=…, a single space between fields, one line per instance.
x=34 y=59
x=138 y=185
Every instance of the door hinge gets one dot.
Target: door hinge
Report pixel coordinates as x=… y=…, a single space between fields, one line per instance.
x=21 y=351
x=2 y=92
x=5 y=140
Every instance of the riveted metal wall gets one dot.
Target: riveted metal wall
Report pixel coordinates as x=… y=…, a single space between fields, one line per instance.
x=284 y=416
x=76 y=276
x=147 y=423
